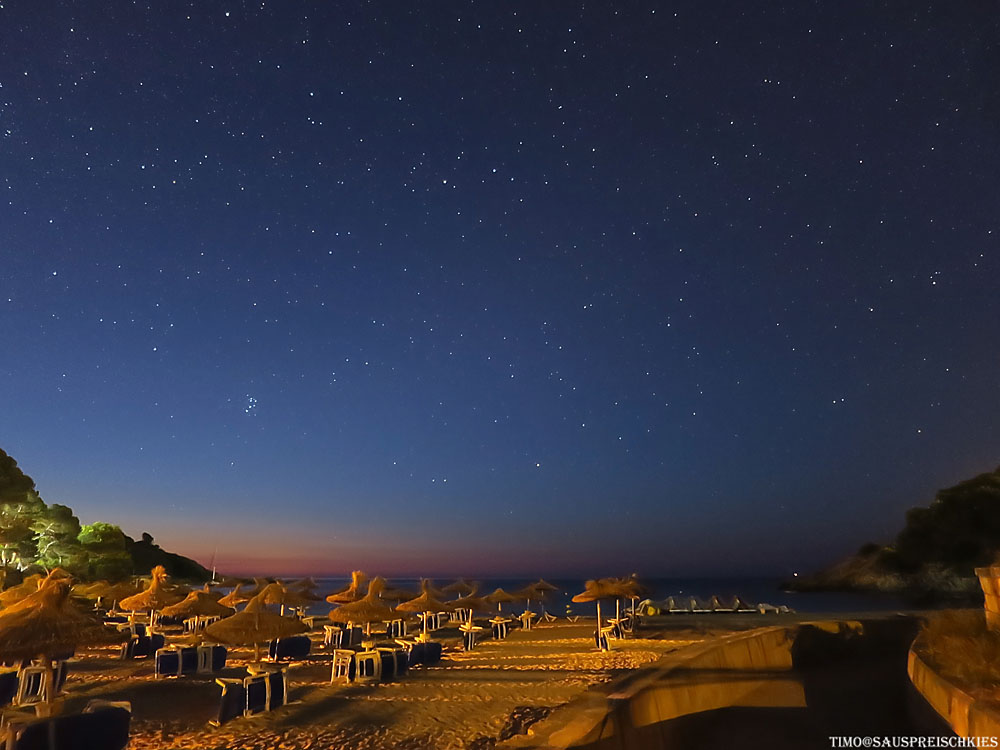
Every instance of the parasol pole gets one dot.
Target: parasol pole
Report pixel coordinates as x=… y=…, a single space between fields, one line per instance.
x=599 y=624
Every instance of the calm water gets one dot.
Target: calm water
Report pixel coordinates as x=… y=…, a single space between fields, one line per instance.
x=754 y=590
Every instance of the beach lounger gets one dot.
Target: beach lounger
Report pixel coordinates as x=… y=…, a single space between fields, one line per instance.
x=132 y=628
x=258 y=693
x=352 y=636
x=470 y=636
x=394 y=663
x=332 y=636
x=233 y=703
x=501 y=626
x=396 y=629
x=101 y=726
x=198 y=624
x=343 y=665
x=525 y=618
x=367 y=666
x=294 y=647
x=601 y=639
x=9 y=680
x=742 y=605
x=138 y=647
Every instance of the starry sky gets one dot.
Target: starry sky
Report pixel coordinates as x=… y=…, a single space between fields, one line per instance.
x=500 y=287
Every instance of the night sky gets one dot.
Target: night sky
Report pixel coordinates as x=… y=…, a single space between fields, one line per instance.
x=500 y=287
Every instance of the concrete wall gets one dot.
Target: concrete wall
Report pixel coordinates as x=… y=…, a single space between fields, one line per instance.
x=966 y=716
x=743 y=669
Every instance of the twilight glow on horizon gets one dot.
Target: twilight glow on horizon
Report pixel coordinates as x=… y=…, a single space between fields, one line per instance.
x=500 y=288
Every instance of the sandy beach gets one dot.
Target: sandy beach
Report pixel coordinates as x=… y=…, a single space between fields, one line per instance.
x=469 y=700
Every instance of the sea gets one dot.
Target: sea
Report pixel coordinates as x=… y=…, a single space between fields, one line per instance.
x=751 y=590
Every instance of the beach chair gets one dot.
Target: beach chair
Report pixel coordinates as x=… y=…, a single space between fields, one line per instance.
x=102 y=725
x=9 y=680
x=141 y=646
x=294 y=647
x=601 y=639
x=396 y=629
x=432 y=652
x=742 y=605
x=265 y=691
x=333 y=635
x=233 y=702
x=525 y=618
x=33 y=685
x=501 y=626
x=132 y=628
x=352 y=636
x=343 y=665
x=367 y=666
x=390 y=664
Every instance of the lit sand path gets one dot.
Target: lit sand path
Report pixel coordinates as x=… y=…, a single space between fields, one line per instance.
x=464 y=702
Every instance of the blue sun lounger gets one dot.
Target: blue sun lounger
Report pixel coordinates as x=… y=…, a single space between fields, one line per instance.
x=252 y=695
x=175 y=661
x=102 y=725
x=141 y=646
x=295 y=647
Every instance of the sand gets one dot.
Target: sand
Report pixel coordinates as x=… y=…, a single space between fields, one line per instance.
x=469 y=700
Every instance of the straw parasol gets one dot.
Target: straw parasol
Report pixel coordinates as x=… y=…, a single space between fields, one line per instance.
x=461 y=587
x=499 y=597
x=213 y=595
x=303 y=584
x=46 y=624
x=234 y=597
x=16 y=593
x=425 y=603
x=594 y=591
x=153 y=599
x=632 y=589
x=397 y=594
x=352 y=592
x=198 y=604
x=426 y=584
x=253 y=626
x=276 y=593
x=366 y=610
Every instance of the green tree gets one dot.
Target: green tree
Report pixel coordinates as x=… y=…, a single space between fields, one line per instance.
x=55 y=537
x=105 y=547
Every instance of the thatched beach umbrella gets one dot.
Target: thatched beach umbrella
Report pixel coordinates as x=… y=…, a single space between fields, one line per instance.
x=594 y=591
x=426 y=603
x=352 y=592
x=213 y=595
x=46 y=625
x=396 y=594
x=366 y=610
x=461 y=587
x=499 y=597
x=234 y=597
x=276 y=593
x=632 y=589
x=154 y=598
x=16 y=593
x=197 y=604
x=253 y=626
